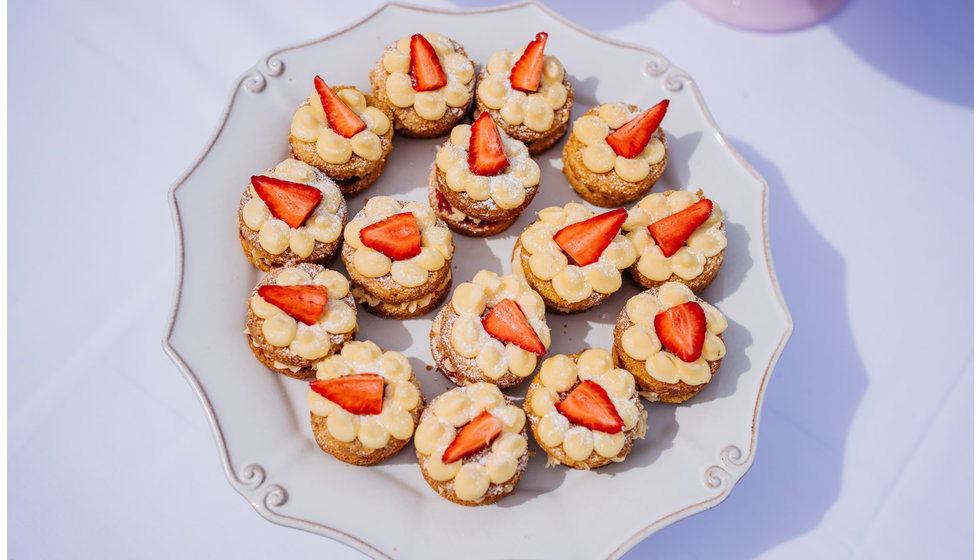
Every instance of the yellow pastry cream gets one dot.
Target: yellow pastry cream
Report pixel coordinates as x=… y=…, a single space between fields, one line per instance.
x=437 y=243
x=470 y=339
x=471 y=478
x=534 y=110
x=688 y=262
x=640 y=341
x=324 y=225
x=309 y=342
x=548 y=262
x=401 y=396
x=310 y=124
x=592 y=129
x=430 y=105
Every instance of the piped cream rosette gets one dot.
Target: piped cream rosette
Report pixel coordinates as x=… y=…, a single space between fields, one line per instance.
x=659 y=371
x=474 y=355
x=290 y=346
x=572 y=444
x=368 y=437
x=534 y=110
x=274 y=236
x=437 y=243
x=310 y=124
x=429 y=105
x=592 y=129
x=507 y=190
x=689 y=262
x=549 y=265
x=489 y=474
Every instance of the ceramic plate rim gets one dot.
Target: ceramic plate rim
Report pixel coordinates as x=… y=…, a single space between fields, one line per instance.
x=250 y=480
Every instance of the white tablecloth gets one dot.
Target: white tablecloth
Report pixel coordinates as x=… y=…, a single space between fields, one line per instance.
x=862 y=126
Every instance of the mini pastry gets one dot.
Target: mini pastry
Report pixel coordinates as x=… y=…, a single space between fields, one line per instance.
x=426 y=81
x=398 y=255
x=493 y=330
x=344 y=133
x=289 y=215
x=584 y=412
x=670 y=340
x=615 y=153
x=472 y=445
x=679 y=237
x=528 y=94
x=572 y=257
x=482 y=179
x=297 y=315
x=364 y=404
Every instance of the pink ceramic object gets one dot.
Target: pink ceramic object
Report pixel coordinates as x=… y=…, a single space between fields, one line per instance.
x=767 y=15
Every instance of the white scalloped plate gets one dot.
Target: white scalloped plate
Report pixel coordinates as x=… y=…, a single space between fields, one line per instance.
x=693 y=454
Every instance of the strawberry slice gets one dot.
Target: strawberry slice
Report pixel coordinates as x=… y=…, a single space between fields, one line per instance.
x=362 y=393
x=526 y=74
x=507 y=323
x=339 y=116
x=476 y=435
x=426 y=70
x=589 y=405
x=671 y=232
x=681 y=330
x=397 y=237
x=303 y=303
x=630 y=139
x=586 y=240
x=290 y=202
x=486 y=153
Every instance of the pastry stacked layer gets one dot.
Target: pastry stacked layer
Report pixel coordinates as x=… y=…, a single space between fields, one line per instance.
x=399 y=257
x=527 y=93
x=364 y=404
x=482 y=179
x=426 y=81
x=493 y=330
x=615 y=154
x=471 y=445
x=573 y=257
x=298 y=315
x=344 y=133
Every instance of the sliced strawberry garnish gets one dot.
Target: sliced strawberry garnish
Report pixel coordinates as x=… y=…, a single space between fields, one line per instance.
x=397 y=237
x=426 y=71
x=486 y=148
x=630 y=139
x=681 y=330
x=362 y=393
x=339 y=116
x=589 y=405
x=586 y=240
x=303 y=303
x=671 y=232
x=526 y=74
x=290 y=202
x=507 y=323
x=476 y=435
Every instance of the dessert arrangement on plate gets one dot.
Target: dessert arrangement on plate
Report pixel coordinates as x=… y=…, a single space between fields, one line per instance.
x=490 y=332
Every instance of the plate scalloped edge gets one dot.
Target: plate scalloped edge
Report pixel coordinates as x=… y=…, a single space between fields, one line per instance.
x=732 y=463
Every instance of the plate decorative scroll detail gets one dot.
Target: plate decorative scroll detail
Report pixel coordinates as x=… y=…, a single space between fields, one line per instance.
x=255 y=80
x=730 y=469
x=677 y=80
x=657 y=66
x=250 y=481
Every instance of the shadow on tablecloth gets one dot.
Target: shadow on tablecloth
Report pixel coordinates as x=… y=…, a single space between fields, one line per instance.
x=810 y=404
